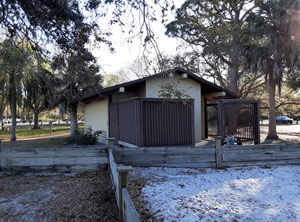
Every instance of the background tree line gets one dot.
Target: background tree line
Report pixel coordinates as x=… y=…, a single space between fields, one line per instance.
x=45 y=53
x=251 y=47
x=244 y=45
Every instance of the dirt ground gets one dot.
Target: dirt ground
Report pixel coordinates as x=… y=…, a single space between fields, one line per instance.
x=57 y=197
x=135 y=186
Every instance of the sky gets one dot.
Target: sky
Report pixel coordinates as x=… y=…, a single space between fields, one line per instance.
x=126 y=53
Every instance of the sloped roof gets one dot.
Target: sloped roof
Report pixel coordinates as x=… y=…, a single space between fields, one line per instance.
x=205 y=85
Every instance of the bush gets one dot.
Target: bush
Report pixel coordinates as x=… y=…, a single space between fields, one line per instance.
x=264 y=117
x=88 y=137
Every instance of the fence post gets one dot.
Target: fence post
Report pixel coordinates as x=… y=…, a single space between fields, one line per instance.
x=50 y=124
x=219 y=140
x=110 y=142
x=1 y=154
x=123 y=183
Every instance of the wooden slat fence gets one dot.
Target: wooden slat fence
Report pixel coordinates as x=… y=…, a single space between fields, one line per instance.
x=256 y=155
x=205 y=157
x=166 y=156
x=53 y=159
x=119 y=174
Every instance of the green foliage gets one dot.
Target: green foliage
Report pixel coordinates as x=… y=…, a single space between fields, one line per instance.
x=170 y=89
x=39 y=88
x=294 y=79
x=264 y=117
x=77 y=75
x=3 y=94
x=13 y=60
x=275 y=45
x=14 y=57
x=87 y=137
x=53 y=21
x=216 y=32
x=43 y=131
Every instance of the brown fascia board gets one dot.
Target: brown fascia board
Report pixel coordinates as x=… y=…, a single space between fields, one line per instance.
x=88 y=99
x=109 y=90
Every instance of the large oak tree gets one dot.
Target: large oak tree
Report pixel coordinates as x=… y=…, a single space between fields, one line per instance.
x=215 y=29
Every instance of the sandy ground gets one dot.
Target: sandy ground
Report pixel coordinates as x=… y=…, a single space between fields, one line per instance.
x=57 y=197
x=235 y=194
x=286 y=133
x=156 y=198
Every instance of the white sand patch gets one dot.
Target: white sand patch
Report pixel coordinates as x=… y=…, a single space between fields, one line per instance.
x=236 y=194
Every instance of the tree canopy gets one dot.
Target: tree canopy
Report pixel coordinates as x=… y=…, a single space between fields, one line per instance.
x=51 y=21
x=214 y=29
x=13 y=60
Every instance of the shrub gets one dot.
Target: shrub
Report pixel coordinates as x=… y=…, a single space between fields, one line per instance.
x=88 y=137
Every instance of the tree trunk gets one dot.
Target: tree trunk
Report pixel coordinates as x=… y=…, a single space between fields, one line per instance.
x=233 y=76
x=73 y=120
x=272 y=134
x=233 y=86
x=13 y=105
x=36 y=120
x=234 y=67
x=2 y=124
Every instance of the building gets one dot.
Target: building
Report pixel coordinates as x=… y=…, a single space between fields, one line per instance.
x=122 y=111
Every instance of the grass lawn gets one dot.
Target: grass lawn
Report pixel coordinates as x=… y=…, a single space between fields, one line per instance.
x=40 y=142
x=24 y=132
x=43 y=131
x=38 y=137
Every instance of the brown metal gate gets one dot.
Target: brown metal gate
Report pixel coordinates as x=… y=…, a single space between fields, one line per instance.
x=212 y=119
x=239 y=118
x=153 y=122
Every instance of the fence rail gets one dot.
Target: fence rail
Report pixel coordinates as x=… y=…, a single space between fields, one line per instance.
x=215 y=156
x=262 y=154
x=53 y=159
x=166 y=156
x=119 y=176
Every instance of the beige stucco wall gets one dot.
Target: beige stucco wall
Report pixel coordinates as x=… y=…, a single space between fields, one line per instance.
x=191 y=88
x=96 y=115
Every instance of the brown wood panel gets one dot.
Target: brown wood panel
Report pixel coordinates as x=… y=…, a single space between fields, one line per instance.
x=113 y=120
x=153 y=122
x=167 y=123
x=128 y=122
